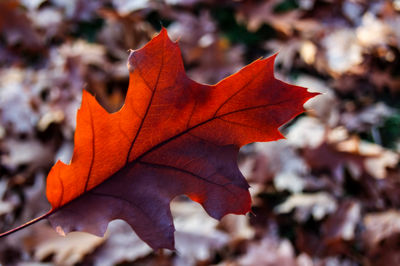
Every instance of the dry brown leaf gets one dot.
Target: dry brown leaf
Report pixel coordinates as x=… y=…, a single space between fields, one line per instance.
x=124 y=7
x=373 y=31
x=343 y=51
x=287 y=51
x=196 y=236
x=122 y=245
x=257 y=14
x=377 y=165
x=202 y=46
x=31 y=153
x=381 y=225
x=270 y=251
x=371 y=116
x=307 y=132
x=326 y=106
x=237 y=226
x=67 y=250
x=341 y=225
x=316 y=204
x=5 y=206
x=279 y=162
x=16 y=26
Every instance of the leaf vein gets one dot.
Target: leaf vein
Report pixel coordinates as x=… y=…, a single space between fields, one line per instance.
x=122 y=199
x=148 y=106
x=157 y=146
x=93 y=149
x=187 y=172
x=237 y=92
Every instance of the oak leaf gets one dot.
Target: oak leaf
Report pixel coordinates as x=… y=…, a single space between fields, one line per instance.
x=173 y=136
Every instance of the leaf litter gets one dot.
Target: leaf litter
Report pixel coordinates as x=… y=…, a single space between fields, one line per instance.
x=361 y=197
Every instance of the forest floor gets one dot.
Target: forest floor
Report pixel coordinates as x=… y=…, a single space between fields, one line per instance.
x=328 y=194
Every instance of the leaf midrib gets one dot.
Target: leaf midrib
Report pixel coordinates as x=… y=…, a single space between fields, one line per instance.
x=164 y=142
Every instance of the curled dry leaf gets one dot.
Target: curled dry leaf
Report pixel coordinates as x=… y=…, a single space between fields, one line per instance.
x=173 y=136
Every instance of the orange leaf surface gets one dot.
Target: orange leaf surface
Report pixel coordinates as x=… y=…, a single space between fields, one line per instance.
x=173 y=136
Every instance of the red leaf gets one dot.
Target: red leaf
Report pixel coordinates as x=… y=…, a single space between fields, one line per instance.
x=173 y=136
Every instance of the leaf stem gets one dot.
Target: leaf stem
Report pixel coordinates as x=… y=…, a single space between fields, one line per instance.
x=33 y=221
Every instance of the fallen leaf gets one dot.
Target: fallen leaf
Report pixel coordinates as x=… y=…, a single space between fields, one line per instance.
x=201 y=44
x=372 y=116
x=67 y=250
x=325 y=107
x=5 y=206
x=377 y=165
x=316 y=204
x=381 y=225
x=125 y=7
x=15 y=101
x=173 y=136
x=341 y=225
x=289 y=51
x=16 y=27
x=279 y=162
x=238 y=227
x=307 y=132
x=329 y=157
x=373 y=32
x=122 y=245
x=257 y=14
x=30 y=152
x=197 y=237
x=269 y=251
x=343 y=51
x=341 y=151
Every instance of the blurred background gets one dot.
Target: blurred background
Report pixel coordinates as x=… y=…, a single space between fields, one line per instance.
x=327 y=195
